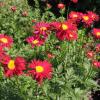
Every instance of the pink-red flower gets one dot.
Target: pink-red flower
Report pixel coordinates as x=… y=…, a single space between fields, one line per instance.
x=35 y=41
x=60 y=5
x=41 y=28
x=96 y=63
x=87 y=20
x=5 y=40
x=96 y=33
x=75 y=16
x=14 y=66
x=62 y=32
x=40 y=70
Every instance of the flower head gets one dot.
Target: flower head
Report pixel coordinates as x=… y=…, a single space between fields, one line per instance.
x=5 y=41
x=34 y=41
x=87 y=20
x=75 y=16
x=96 y=33
x=14 y=66
x=40 y=70
x=41 y=27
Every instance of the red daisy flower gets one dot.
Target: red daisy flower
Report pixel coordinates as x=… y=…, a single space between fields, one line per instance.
x=71 y=35
x=76 y=16
x=96 y=32
x=35 y=41
x=64 y=28
x=5 y=41
x=14 y=67
x=42 y=27
x=87 y=20
x=93 y=16
x=40 y=70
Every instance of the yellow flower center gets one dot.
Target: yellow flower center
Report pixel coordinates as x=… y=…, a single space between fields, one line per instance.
x=4 y=40
x=39 y=69
x=64 y=27
x=43 y=28
x=98 y=33
x=11 y=64
x=35 y=41
x=86 y=18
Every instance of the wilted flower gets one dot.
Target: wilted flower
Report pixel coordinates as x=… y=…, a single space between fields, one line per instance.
x=13 y=8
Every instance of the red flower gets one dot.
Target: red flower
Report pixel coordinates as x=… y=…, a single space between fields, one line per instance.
x=5 y=41
x=87 y=20
x=13 y=8
x=96 y=64
x=64 y=29
x=75 y=16
x=34 y=41
x=71 y=35
x=41 y=27
x=74 y=1
x=40 y=70
x=90 y=54
x=96 y=32
x=98 y=47
x=14 y=67
x=93 y=16
x=60 y=5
